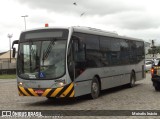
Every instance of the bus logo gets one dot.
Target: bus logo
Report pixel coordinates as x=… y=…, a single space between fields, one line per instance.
x=6 y=114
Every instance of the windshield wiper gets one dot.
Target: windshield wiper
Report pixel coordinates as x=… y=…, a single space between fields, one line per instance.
x=49 y=49
x=31 y=48
x=32 y=53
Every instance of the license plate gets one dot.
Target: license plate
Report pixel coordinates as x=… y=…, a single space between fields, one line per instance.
x=39 y=91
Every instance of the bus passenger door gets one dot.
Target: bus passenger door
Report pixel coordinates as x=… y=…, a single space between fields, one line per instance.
x=79 y=56
x=76 y=57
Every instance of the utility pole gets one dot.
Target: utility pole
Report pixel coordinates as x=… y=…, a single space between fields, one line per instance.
x=10 y=36
x=153 y=49
x=25 y=25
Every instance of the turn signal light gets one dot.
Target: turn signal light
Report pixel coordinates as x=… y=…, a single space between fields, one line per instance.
x=152 y=71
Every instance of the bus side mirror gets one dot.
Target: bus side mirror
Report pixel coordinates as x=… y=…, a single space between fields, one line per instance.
x=14 y=42
x=14 y=49
x=14 y=52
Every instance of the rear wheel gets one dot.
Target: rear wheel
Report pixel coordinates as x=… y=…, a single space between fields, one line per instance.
x=95 y=88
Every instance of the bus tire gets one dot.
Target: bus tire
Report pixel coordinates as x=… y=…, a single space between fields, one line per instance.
x=132 y=80
x=95 y=88
x=157 y=86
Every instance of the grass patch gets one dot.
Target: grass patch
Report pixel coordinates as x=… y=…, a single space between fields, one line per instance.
x=8 y=76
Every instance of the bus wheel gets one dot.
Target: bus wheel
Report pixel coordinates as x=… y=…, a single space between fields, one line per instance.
x=132 y=80
x=95 y=88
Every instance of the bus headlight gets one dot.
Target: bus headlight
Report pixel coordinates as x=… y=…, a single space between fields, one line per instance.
x=20 y=84
x=60 y=82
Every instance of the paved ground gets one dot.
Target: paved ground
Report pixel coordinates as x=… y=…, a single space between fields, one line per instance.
x=141 y=97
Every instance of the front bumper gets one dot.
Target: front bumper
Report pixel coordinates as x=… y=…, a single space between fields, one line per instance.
x=62 y=92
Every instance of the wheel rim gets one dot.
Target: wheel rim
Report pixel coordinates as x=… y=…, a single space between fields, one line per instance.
x=132 y=82
x=95 y=88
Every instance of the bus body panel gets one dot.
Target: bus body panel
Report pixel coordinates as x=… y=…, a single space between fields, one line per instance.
x=110 y=77
x=83 y=82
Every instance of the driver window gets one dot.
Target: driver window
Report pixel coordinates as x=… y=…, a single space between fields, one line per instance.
x=76 y=57
x=79 y=50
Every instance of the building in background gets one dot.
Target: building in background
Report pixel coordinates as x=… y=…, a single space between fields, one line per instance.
x=5 y=65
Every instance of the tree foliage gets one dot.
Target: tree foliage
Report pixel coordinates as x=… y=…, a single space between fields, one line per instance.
x=154 y=50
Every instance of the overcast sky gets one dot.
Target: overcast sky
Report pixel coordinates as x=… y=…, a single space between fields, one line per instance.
x=134 y=18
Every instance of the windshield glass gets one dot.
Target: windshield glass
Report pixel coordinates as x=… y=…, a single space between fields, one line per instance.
x=42 y=59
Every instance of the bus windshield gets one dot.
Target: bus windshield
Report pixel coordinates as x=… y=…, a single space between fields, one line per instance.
x=41 y=54
x=42 y=59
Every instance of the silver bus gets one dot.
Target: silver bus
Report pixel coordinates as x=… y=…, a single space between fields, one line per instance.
x=75 y=61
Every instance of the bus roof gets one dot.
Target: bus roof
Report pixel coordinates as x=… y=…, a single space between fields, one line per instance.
x=89 y=30
x=100 y=32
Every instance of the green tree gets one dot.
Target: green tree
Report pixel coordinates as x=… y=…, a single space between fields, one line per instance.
x=154 y=50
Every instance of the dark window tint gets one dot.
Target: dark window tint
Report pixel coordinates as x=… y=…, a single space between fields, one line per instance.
x=105 y=50
x=124 y=51
x=92 y=42
x=136 y=51
x=44 y=33
x=92 y=49
x=115 y=52
x=140 y=51
x=132 y=52
x=108 y=51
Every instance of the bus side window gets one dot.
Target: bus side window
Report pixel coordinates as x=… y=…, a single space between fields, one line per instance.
x=79 y=52
x=79 y=56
